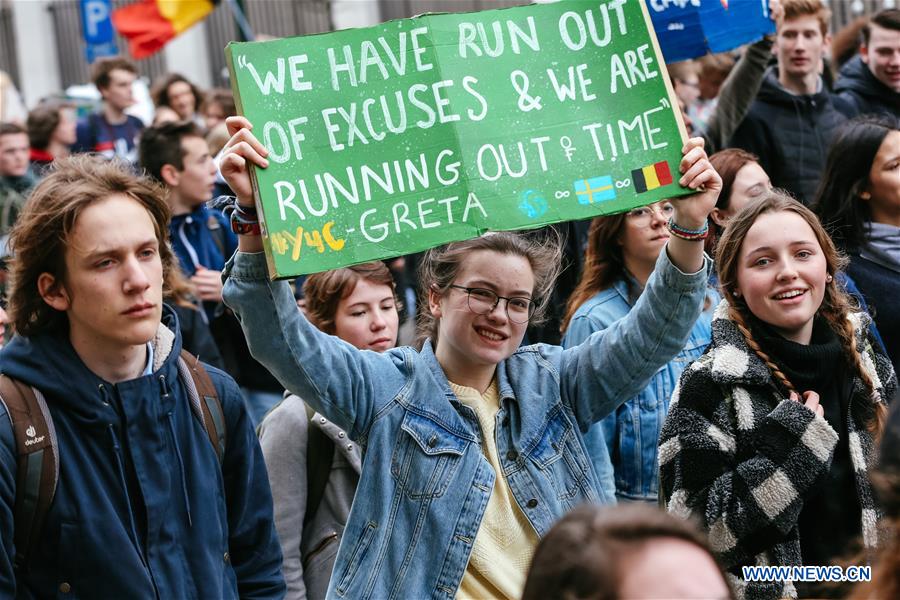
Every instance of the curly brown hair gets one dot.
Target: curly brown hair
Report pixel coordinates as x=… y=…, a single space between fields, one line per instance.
x=160 y=90
x=101 y=72
x=39 y=237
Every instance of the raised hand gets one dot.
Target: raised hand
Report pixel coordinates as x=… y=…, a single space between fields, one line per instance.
x=241 y=150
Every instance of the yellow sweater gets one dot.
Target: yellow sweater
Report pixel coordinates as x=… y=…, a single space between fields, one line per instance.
x=506 y=540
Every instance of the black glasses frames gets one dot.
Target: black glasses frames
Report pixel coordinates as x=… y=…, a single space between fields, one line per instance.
x=481 y=301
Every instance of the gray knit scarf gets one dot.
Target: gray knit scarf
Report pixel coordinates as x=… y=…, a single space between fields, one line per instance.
x=883 y=245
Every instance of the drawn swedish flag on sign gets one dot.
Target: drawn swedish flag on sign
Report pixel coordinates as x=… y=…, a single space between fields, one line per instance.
x=596 y=189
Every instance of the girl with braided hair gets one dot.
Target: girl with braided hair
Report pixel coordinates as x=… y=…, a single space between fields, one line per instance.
x=770 y=434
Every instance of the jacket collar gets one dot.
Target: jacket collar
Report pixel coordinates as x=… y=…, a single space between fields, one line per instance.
x=199 y=215
x=444 y=413
x=772 y=90
x=855 y=76
x=733 y=362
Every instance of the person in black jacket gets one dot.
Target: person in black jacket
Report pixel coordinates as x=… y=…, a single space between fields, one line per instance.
x=859 y=202
x=794 y=118
x=870 y=82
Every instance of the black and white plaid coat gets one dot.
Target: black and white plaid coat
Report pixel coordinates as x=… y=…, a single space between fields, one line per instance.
x=739 y=457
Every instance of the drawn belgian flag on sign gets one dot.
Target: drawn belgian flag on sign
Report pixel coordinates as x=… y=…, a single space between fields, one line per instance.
x=651 y=177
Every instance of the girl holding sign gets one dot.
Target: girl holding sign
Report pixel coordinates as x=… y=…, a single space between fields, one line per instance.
x=769 y=437
x=472 y=446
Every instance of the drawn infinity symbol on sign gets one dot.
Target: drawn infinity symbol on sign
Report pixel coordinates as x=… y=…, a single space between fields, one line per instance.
x=520 y=82
x=562 y=194
x=623 y=183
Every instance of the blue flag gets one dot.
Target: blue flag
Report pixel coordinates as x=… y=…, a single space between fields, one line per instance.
x=691 y=28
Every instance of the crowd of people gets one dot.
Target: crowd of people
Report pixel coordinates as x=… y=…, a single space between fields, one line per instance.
x=646 y=405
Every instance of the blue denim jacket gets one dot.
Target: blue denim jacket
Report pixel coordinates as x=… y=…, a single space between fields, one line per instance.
x=425 y=481
x=623 y=445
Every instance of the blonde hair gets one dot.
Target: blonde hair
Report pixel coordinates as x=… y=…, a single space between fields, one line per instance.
x=440 y=266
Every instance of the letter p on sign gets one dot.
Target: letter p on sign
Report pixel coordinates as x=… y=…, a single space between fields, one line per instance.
x=95 y=21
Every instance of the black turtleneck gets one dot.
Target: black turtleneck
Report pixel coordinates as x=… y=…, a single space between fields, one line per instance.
x=830 y=521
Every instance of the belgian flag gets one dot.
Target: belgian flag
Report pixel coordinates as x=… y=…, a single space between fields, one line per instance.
x=148 y=25
x=651 y=177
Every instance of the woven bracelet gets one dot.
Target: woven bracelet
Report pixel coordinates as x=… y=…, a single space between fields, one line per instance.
x=688 y=234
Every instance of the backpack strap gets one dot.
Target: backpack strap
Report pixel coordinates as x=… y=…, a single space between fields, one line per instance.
x=319 y=455
x=37 y=463
x=205 y=400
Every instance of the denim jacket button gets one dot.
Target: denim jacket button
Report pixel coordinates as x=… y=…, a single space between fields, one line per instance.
x=512 y=455
x=432 y=442
x=532 y=503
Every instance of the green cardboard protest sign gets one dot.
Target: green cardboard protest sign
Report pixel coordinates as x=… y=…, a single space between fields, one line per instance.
x=400 y=137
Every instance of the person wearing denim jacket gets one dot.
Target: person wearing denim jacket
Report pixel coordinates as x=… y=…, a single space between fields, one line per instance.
x=632 y=431
x=426 y=480
x=399 y=407
x=620 y=256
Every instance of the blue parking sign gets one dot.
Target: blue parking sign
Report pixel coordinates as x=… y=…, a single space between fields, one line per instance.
x=97 y=28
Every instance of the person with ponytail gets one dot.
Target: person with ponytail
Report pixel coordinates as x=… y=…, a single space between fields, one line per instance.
x=621 y=254
x=770 y=434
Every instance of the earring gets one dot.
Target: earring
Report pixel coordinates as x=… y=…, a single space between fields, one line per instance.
x=829 y=279
x=736 y=294
x=865 y=195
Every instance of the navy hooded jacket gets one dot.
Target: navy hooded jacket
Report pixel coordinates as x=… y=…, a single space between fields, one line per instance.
x=864 y=93
x=790 y=134
x=143 y=509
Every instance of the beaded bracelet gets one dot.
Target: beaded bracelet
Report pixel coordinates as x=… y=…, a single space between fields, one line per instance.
x=688 y=234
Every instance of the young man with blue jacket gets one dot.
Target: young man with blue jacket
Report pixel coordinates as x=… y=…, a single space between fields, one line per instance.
x=145 y=506
x=176 y=155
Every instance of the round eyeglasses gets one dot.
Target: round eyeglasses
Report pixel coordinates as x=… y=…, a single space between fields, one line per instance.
x=481 y=301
